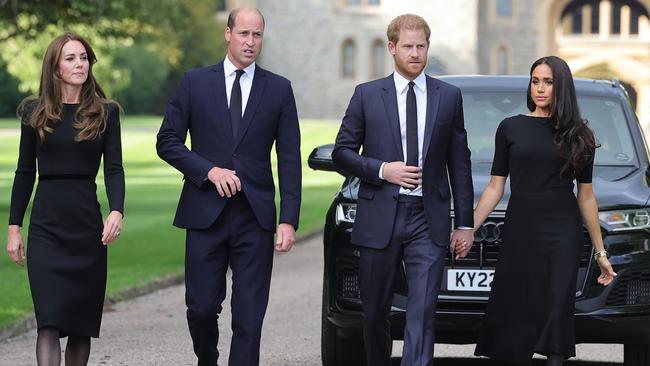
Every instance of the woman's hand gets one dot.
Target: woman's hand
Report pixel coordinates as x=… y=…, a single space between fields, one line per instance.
x=112 y=227
x=15 y=245
x=607 y=274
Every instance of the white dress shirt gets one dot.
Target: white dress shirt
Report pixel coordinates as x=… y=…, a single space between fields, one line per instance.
x=245 y=81
x=420 y=89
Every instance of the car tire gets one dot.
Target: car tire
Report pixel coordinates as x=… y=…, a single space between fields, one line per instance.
x=339 y=351
x=636 y=354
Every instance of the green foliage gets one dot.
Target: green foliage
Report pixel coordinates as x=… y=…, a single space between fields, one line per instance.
x=143 y=72
x=143 y=47
x=24 y=56
x=199 y=40
x=9 y=94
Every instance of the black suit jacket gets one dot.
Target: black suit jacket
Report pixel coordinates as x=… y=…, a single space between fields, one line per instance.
x=200 y=106
x=372 y=121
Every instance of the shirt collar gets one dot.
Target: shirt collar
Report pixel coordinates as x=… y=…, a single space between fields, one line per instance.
x=229 y=68
x=402 y=83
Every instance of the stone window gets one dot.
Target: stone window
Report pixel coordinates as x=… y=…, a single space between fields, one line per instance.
x=348 y=53
x=504 y=8
x=378 y=59
x=502 y=61
x=621 y=17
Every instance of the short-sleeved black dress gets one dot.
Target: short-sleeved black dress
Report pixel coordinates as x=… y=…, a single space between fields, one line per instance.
x=531 y=304
x=66 y=260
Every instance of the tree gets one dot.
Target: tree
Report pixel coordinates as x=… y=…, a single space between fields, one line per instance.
x=178 y=34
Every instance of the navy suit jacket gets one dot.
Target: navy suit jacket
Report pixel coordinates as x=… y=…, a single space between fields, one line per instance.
x=372 y=121
x=200 y=106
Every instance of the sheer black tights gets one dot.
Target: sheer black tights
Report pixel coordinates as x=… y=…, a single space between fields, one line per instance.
x=77 y=351
x=48 y=349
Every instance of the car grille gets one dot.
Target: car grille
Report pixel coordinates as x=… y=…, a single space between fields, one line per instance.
x=488 y=241
x=347 y=280
x=632 y=289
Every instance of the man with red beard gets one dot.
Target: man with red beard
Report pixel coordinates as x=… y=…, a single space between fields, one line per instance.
x=414 y=143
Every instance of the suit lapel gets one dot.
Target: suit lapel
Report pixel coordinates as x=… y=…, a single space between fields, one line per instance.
x=392 y=112
x=218 y=86
x=257 y=90
x=433 y=99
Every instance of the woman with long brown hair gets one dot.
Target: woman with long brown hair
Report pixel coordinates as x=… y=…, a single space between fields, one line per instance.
x=531 y=303
x=65 y=132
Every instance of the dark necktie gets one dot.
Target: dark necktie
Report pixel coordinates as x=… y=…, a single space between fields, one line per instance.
x=236 y=103
x=411 y=127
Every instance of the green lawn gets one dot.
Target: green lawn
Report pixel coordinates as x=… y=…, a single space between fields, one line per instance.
x=149 y=247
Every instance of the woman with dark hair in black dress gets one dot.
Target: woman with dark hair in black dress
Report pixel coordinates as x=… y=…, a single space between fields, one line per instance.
x=65 y=132
x=531 y=304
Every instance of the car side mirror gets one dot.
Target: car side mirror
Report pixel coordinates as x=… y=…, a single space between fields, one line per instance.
x=321 y=158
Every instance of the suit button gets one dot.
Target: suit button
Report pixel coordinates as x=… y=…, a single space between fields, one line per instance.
x=234 y=155
x=394 y=198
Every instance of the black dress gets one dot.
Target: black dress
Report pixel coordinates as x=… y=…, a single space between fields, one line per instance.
x=66 y=260
x=531 y=304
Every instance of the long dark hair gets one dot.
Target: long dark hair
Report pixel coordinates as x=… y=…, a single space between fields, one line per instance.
x=47 y=107
x=573 y=137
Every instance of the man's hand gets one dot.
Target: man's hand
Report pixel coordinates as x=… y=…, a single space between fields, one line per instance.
x=402 y=175
x=225 y=180
x=461 y=242
x=15 y=245
x=285 y=237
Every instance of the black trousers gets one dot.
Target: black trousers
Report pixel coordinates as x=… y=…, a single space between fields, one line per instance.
x=234 y=241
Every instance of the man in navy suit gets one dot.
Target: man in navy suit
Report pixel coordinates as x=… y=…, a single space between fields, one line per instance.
x=414 y=144
x=234 y=111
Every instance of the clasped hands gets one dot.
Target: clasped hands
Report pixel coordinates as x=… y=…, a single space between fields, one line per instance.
x=461 y=242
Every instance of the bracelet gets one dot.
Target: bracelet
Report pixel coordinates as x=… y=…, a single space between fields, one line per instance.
x=601 y=253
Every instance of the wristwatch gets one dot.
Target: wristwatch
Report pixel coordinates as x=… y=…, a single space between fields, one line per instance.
x=601 y=253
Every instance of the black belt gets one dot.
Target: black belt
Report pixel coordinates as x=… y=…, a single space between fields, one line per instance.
x=409 y=198
x=43 y=177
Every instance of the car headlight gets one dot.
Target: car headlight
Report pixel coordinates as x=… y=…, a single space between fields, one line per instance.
x=626 y=220
x=346 y=212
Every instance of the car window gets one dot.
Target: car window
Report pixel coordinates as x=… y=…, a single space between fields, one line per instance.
x=607 y=119
x=485 y=110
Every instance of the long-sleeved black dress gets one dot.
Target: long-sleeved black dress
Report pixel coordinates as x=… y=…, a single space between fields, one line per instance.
x=66 y=259
x=531 y=303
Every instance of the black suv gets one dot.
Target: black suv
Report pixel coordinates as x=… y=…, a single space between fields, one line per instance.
x=619 y=313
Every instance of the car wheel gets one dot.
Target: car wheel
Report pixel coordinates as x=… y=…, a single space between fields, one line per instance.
x=338 y=351
x=636 y=354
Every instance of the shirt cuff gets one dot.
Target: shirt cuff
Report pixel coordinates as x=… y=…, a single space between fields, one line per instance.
x=381 y=171
x=465 y=228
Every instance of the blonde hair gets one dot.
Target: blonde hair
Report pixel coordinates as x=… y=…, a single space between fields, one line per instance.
x=407 y=21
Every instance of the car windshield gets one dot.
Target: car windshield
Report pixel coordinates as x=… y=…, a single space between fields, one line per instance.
x=485 y=110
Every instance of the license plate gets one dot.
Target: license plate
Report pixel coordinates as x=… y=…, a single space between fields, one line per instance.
x=469 y=279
